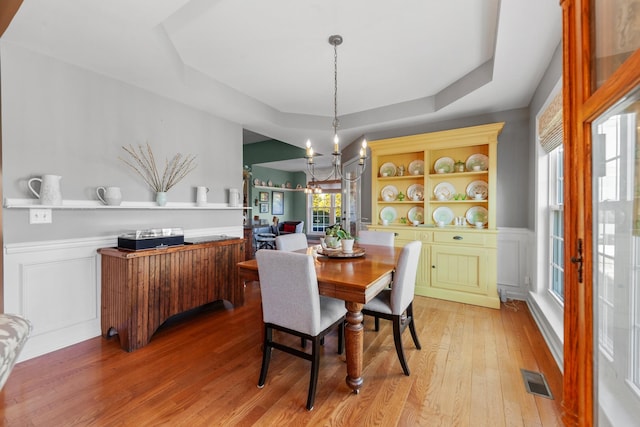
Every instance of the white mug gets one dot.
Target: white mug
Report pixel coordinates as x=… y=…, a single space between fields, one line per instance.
x=201 y=195
x=110 y=195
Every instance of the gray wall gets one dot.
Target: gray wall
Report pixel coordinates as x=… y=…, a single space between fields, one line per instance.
x=513 y=161
x=64 y=120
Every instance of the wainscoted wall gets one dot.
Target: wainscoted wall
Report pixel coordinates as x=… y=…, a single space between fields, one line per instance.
x=56 y=285
x=514 y=254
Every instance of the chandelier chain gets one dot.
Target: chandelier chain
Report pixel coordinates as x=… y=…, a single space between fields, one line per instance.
x=335 y=89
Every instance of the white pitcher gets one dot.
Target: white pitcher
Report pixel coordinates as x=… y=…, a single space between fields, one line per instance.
x=111 y=196
x=234 y=197
x=50 y=193
x=201 y=195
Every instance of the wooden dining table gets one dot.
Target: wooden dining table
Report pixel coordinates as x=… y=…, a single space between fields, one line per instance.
x=356 y=281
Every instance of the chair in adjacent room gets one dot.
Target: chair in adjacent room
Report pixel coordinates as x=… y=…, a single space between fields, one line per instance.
x=291 y=303
x=291 y=242
x=396 y=304
x=382 y=238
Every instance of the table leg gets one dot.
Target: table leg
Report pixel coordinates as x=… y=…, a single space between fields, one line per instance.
x=354 y=343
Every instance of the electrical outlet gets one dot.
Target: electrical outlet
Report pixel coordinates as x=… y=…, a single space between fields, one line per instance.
x=40 y=216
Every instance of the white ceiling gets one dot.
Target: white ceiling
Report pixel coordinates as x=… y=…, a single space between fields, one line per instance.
x=268 y=64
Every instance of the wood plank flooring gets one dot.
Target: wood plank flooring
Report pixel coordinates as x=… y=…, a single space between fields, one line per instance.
x=201 y=369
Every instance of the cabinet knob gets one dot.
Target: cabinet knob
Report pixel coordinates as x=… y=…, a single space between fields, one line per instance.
x=433 y=266
x=457 y=237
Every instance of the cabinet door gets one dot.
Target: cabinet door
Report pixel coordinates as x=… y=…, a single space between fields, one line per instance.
x=460 y=269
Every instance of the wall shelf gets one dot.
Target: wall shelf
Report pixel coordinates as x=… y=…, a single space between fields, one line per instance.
x=95 y=204
x=262 y=187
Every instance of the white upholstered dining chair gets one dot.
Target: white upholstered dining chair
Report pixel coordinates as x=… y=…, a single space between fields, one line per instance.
x=383 y=238
x=291 y=303
x=391 y=304
x=291 y=242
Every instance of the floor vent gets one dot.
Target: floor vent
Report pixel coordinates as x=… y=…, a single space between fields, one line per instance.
x=536 y=383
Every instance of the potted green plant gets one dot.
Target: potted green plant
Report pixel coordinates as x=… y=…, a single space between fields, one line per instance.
x=331 y=239
x=346 y=240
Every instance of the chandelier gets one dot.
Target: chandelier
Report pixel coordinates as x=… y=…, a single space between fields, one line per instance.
x=336 y=171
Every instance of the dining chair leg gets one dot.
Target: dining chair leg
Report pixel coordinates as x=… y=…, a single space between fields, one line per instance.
x=397 y=338
x=341 y=337
x=412 y=327
x=377 y=323
x=315 y=365
x=266 y=355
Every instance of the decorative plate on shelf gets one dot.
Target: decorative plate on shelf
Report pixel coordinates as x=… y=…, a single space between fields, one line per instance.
x=443 y=214
x=415 y=192
x=416 y=167
x=416 y=214
x=389 y=193
x=477 y=214
x=388 y=169
x=288 y=184
x=478 y=187
x=444 y=191
x=256 y=181
x=477 y=160
x=389 y=214
x=270 y=183
x=444 y=165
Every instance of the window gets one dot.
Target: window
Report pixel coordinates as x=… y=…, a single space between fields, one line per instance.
x=325 y=210
x=556 y=223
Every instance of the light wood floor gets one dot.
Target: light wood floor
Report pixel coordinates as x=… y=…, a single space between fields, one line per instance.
x=201 y=369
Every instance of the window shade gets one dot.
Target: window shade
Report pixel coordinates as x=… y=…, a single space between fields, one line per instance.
x=550 y=125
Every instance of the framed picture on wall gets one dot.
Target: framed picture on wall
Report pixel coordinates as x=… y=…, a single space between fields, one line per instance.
x=264 y=207
x=277 y=202
x=264 y=197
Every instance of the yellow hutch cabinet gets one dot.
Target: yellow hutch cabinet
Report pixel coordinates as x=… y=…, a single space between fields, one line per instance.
x=440 y=188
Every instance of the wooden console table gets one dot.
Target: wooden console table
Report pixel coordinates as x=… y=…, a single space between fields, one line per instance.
x=141 y=289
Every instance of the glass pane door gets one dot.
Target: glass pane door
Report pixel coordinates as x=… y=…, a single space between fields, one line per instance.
x=351 y=196
x=616 y=275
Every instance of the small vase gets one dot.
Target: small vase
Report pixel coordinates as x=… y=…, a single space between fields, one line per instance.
x=347 y=245
x=161 y=198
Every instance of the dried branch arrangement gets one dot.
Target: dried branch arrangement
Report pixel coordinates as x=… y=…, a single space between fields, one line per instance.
x=144 y=164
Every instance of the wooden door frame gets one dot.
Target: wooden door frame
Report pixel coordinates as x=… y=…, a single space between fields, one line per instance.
x=582 y=105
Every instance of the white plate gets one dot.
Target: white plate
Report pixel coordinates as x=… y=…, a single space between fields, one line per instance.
x=389 y=193
x=416 y=214
x=477 y=160
x=388 y=213
x=415 y=190
x=389 y=169
x=443 y=165
x=477 y=214
x=444 y=189
x=416 y=167
x=476 y=187
x=256 y=181
x=443 y=214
